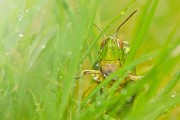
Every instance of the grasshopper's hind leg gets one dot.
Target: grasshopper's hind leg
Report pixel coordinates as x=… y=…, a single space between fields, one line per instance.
x=97 y=76
x=89 y=90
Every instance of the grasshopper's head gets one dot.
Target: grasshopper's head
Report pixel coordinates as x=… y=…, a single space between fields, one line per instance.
x=112 y=54
x=110 y=49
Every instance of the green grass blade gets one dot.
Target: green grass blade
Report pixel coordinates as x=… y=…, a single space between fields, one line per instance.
x=167 y=89
x=146 y=19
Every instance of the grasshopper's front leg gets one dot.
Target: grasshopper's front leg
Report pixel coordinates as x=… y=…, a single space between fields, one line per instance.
x=96 y=74
x=89 y=90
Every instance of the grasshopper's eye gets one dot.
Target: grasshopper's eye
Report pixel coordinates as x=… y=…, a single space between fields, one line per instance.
x=126 y=46
x=120 y=44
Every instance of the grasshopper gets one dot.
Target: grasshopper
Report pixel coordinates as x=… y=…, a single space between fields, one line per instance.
x=112 y=55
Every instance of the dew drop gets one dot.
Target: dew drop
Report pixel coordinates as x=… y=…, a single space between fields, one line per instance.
x=99 y=103
x=123 y=91
x=27 y=11
x=173 y=95
x=150 y=58
x=7 y=54
x=165 y=111
x=69 y=53
x=146 y=87
x=20 y=18
x=21 y=35
x=43 y=46
x=122 y=13
x=31 y=64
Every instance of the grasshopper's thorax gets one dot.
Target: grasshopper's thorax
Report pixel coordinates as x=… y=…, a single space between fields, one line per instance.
x=112 y=55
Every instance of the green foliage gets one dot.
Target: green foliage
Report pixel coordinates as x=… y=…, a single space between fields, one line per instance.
x=45 y=44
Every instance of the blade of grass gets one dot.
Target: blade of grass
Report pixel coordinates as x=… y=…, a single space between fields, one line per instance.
x=145 y=21
x=142 y=99
x=37 y=104
x=78 y=27
x=167 y=89
x=91 y=16
x=161 y=64
x=162 y=105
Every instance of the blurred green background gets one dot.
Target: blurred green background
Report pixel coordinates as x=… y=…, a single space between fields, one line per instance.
x=43 y=42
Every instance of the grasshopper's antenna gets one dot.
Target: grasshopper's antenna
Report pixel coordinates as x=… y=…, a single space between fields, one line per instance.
x=125 y=21
x=100 y=30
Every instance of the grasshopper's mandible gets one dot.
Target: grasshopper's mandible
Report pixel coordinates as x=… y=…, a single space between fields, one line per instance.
x=112 y=55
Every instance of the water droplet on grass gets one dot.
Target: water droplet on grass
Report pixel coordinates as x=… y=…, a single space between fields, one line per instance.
x=43 y=46
x=31 y=64
x=21 y=35
x=27 y=10
x=69 y=53
x=20 y=18
x=173 y=95
x=146 y=87
x=7 y=54
x=123 y=91
x=99 y=103
x=122 y=13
